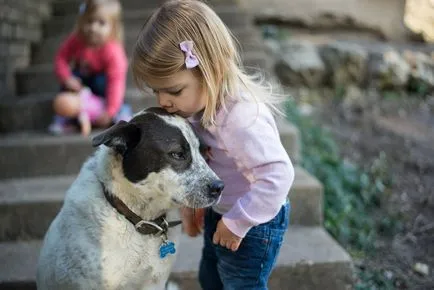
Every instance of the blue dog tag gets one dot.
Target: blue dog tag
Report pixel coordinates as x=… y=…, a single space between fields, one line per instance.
x=167 y=247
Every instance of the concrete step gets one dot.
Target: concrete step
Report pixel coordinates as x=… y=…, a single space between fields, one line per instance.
x=309 y=259
x=34 y=112
x=134 y=19
x=70 y=7
x=249 y=40
x=59 y=155
x=41 y=78
x=27 y=206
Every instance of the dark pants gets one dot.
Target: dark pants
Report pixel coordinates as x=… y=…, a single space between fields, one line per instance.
x=250 y=266
x=96 y=83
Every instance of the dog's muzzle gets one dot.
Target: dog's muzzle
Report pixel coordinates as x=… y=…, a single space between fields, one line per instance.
x=216 y=188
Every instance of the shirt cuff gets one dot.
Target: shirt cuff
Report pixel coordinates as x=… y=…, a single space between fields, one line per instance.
x=237 y=221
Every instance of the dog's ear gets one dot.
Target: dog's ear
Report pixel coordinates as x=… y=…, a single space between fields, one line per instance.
x=120 y=137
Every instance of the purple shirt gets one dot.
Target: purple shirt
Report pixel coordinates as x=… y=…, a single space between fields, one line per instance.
x=247 y=154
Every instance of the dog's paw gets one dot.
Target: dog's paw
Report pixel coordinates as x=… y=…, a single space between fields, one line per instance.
x=172 y=286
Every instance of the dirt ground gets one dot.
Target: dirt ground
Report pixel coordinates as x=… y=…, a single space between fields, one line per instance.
x=402 y=128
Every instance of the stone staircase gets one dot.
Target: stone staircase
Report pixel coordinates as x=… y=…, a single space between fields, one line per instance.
x=36 y=168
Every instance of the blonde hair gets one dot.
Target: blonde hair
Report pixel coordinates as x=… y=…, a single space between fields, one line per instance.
x=157 y=55
x=113 y=8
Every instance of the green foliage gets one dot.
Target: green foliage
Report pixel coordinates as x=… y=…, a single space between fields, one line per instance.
x=391 y=94
x=418 y=87
x=351 y=194
x=369 y=279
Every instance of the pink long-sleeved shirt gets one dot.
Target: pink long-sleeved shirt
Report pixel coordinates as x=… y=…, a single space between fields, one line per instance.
x=247 y=154
x=109 y=58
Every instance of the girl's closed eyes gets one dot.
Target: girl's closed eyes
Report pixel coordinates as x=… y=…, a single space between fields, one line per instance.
x=176 y=93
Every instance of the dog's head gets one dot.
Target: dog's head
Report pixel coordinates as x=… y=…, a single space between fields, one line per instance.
x=160 y=152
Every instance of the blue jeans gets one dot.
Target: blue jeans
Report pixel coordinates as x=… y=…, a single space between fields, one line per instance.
x=96 y=83
x=250 y=266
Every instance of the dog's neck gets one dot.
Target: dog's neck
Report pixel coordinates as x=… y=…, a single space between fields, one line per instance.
x=148 y=206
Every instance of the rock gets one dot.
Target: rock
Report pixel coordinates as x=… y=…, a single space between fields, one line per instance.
x=380 y=18
x=354 y=103
x=430 y=103
x=300 y=64
x=273 y=46
x=357 y=103
x=388 y=70
x=419 y=17
x=306 y=109
x=389 y=275
x=346 y=63
x=421 y=268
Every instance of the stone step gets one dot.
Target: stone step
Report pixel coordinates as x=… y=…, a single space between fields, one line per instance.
x=249 y=40
x=29 y=205
x=70 y=7
x=41 y=78
x=61 y=155
x=309 y=259
x=35 y=113
x=134 y=19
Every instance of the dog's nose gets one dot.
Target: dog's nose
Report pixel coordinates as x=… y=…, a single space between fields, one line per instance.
x=216 y=187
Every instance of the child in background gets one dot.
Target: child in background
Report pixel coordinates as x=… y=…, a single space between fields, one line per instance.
x=91 y=66
x=188 y=57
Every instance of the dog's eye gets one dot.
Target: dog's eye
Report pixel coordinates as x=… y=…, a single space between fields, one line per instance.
x=177 y=155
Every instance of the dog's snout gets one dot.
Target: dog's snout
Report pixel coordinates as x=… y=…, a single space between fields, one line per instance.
x=216 y=187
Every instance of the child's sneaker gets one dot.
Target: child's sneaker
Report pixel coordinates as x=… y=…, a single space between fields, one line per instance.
x=60 y=126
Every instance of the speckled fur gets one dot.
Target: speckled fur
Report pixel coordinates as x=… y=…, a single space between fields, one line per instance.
x=89 y=245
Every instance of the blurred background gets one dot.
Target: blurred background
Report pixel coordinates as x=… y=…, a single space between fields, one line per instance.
x=359 y=79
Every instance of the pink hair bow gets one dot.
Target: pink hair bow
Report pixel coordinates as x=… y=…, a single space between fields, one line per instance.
x=191 y=60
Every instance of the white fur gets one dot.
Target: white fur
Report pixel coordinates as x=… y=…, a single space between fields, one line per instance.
x=89 y=245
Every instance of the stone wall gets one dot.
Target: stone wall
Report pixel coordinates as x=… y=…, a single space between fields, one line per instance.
x=20 y=26
x=381 y=18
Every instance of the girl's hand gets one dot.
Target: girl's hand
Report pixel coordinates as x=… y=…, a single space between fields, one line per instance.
x=226 y=238
x=192 y=220
x=73 y=84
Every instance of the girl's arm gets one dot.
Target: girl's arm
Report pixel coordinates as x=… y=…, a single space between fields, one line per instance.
x=63 y=57
x=252 y=139
x=116 y=70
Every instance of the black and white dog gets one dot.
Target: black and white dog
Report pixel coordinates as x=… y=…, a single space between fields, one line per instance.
x=117 y=228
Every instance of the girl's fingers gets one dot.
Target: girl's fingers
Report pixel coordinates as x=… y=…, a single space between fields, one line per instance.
x=234 y=246
x=216 y=238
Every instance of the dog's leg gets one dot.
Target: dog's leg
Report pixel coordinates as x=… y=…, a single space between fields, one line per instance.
x=170 y=285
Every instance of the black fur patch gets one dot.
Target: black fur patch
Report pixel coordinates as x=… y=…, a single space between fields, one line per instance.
x=160 y=145
x=147 y=144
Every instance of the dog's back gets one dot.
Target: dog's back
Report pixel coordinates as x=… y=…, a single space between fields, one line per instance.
x=72 y=237
x=89 y=247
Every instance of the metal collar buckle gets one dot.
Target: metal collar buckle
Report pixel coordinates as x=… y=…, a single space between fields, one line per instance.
x=161 y=229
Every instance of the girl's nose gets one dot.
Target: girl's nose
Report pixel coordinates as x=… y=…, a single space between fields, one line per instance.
x=164 y=101
x=94 y=26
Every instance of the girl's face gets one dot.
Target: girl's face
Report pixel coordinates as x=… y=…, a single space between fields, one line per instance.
x=98 y=27
x=182 y=93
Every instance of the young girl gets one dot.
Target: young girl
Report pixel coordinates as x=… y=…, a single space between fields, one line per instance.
x=94 y=86
x=188 y=57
